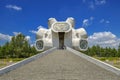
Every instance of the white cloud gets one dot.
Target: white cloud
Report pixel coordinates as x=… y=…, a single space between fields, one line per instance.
x=87 y=22
x=91 y=18
x=92 y=4
x=18 y=8
x=104 y=21
x=27 y=38
x=107 y=22
x=16 y=33
x=39 y=27
x=5 y=37
x=33 y=31
x=104 y=39
x=100 y=2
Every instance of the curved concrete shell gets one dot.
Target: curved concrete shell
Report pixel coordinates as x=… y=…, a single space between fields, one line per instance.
x=61 y=34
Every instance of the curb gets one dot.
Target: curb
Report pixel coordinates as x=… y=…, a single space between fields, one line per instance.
x=96 y=61
x=25 y=61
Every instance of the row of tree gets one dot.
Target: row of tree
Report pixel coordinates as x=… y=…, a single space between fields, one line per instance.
x=103 y=52
x=18 y=47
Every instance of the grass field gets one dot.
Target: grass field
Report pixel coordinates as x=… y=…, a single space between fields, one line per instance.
x=115 y=61
x=9 y=61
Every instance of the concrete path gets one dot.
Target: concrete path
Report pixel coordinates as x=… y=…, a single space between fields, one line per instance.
x=60 y=65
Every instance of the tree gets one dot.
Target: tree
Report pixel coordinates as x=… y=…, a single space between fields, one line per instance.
x=114 y=52
x=118 y=53
x=96 y=50
x=18 y=47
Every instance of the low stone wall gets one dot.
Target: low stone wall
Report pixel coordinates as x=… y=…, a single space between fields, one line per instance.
x=95 y=61
x=25 y=61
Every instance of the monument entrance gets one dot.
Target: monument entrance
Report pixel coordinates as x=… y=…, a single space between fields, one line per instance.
x=61 y=40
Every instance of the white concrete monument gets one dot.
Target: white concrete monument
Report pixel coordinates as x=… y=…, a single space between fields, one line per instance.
x=61 y=34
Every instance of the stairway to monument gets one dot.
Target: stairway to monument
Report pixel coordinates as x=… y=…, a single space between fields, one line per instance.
x=60 y=65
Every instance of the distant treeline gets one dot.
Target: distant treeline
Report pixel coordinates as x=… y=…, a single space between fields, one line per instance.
x=103 y=52
x=18 y=47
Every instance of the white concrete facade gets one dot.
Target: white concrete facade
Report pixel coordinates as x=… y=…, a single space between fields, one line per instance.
x=61 y=34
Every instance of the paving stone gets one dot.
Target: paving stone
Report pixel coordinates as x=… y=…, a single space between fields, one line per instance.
x=60 y=65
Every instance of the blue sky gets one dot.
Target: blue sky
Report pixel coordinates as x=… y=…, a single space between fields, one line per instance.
x=100 y=18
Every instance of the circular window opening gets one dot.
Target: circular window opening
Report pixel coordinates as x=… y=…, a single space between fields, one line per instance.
x=83 y=44
x=39 y=44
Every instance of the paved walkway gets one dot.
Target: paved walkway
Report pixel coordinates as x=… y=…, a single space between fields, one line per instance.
x=60 y=65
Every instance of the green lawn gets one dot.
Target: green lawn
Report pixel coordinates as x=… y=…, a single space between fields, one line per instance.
x=115 y=61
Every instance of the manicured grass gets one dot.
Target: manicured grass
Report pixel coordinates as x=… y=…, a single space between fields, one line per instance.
x=115 y=61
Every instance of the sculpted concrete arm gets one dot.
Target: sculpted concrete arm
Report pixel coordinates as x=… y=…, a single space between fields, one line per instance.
x=44 y=39
x=80 y=41
x=81 y=33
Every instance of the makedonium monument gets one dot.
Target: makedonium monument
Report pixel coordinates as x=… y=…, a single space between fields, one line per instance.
x=61 y=34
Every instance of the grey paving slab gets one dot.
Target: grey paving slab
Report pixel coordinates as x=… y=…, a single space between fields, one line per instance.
x=60 y=65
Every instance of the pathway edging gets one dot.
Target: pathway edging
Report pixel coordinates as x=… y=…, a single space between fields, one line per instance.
x=96 y=61
x=25 y=61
